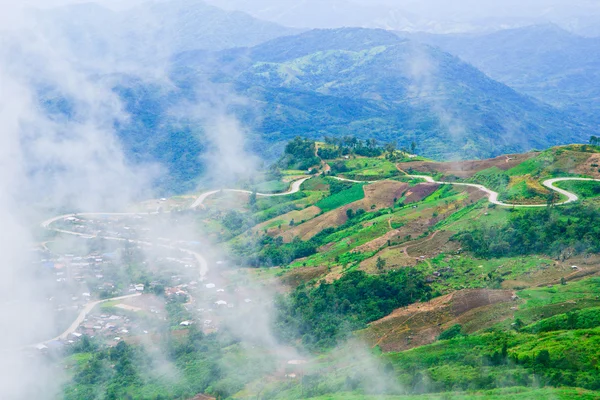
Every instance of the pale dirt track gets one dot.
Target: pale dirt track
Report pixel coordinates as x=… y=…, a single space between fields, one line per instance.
x=493 y=196
x=294 y=188
x=202 y=263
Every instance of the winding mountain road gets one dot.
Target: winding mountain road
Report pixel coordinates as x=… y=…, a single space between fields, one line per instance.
x=294 y=188
x=493 y=196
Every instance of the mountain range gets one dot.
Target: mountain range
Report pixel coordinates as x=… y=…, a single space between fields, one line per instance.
x=281 y=82
x=352 y=81
x=543 y=61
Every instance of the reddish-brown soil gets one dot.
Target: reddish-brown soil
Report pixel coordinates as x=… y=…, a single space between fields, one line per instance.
x=419 y=192
x=420 y=324
x=379 y=194
x=466 y=169
x=382 y=194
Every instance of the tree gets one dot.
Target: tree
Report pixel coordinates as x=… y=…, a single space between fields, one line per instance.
x=380 y=264
x=350 y=213
x=413 y=148
x=594 y=140
x=252 y=199
x=551 y=199
x=543 y=358
x=390 y=148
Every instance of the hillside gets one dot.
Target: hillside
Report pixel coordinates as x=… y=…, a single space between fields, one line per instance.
x=369 y=270
x=367 y=83
x=542 y=61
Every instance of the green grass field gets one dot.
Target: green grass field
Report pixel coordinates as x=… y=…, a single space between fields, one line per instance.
x=585 y=190
x=342 y=198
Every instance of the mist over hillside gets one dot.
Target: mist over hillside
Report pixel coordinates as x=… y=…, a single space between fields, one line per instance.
x=151 y=31
x=543 y=61
x=162 y=58
x=367 y=83
x=215 y=200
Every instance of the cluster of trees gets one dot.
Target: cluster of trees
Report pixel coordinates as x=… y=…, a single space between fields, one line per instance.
x=367 y=148
x=300 y=153
x=325 y=314
x=595 y=141
x=551 y=231
x=272 y=251
x=350 y=145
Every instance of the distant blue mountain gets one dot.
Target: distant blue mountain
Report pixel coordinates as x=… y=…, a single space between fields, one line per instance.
x=543 y=61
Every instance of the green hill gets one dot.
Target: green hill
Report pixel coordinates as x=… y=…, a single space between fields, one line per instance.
x=393 y=288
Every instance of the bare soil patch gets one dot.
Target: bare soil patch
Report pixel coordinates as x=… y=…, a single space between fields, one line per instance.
x=379 y=194
x=421 y=324
x=588 y=168
x=419 y=192
x=466 y=169
x=382 y=194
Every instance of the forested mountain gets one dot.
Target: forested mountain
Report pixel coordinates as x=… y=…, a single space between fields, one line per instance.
x=543 y=61
x=362 y=82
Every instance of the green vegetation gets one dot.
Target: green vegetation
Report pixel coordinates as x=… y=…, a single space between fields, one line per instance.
x=516 y=393
x=451 y=333
x=342 y=270
x=580 y=319
x=342 y=198
x=300 y=154
x=550 y=231
x=585 y=190
x=365 y=169
x=323 y=315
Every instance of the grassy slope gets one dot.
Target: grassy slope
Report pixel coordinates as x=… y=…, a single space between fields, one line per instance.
x=454 y=210
x=499 y=394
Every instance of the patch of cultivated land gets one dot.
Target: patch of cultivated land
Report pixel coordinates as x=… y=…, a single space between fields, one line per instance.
x=298 y=276
x=466 y=169
x=376 y=196
x=421 y=323
x=298 y=216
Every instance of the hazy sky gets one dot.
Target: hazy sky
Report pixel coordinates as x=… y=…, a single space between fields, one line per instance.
x=441 y=16
x=433 y=8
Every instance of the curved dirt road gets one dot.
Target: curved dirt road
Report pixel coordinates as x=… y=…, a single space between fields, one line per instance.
x=81 y=317
x=294 y=188
x=493 y=196
x=202 y=263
